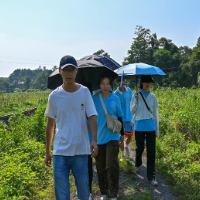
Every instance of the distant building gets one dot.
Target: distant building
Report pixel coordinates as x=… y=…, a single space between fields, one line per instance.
x=21 y=83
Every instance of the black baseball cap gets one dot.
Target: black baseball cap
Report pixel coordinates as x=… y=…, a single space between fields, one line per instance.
x=146 y=79
x=68 y=61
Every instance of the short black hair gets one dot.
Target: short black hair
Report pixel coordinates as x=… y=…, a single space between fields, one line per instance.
x=141 y=85
x=102 y=76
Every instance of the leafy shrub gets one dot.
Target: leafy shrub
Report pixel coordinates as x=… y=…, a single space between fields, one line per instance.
x=178 y=148
x=23 y=171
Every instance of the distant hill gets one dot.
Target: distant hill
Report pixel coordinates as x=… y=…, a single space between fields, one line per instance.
x=26 y=79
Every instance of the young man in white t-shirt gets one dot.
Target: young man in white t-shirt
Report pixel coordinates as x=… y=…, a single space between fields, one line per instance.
x=69 y=106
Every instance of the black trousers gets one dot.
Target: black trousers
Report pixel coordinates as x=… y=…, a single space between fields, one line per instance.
x=108 y=168
x=150 y=145
x=90 y=172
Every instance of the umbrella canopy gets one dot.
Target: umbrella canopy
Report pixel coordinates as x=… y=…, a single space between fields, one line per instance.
x=88 y=71
x=137 y=69
x=106 y=61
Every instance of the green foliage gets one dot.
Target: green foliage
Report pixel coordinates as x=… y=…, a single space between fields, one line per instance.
x=180 y=64
x=18 y=102
x=39 y=124
x=142 y=48
x=24 y=79
x=23 y=172
x=102 y=53
x=146 y=195
x=4 y=85
x=178 y=146
x=126 y=166
x=40 y=82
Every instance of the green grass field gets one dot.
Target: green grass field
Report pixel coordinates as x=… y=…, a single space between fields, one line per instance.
x=22 y=146
x=178 y=146
x=17 y=102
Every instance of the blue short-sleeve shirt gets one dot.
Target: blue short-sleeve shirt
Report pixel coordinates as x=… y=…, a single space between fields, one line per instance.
x=125 y=98
x=112 y=103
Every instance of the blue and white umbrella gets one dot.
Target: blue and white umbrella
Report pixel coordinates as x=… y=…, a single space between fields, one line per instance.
x=138 y=69
x=135 y=70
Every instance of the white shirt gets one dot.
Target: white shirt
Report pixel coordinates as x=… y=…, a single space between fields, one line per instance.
x=70 y=111
x=141 y=112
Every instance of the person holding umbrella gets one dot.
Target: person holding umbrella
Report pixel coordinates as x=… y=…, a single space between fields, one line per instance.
x=144 y=106
x=107 y=163
x=125 y=95
x=69 y=106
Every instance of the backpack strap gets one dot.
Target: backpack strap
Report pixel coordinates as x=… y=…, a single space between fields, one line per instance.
x=145 y=102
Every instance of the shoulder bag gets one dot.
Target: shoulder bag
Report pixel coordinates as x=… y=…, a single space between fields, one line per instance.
x=113 y=124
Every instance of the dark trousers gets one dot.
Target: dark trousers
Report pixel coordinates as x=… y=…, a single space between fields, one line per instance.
x=90 y=172
x=150 y=145
x=108 y=168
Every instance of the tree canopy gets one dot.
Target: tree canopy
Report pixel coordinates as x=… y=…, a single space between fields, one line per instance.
x=181 y=64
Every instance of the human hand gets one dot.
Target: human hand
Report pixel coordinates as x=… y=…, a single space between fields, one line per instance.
x=47 y=160
x=93 y=149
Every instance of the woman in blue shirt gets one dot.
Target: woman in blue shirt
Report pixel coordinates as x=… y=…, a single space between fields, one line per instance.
x=108 y=142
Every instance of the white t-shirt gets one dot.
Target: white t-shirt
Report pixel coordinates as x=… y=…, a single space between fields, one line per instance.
x=70 y=111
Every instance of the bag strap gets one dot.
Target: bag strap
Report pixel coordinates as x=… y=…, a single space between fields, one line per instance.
x=103 y=104
x=145 y=102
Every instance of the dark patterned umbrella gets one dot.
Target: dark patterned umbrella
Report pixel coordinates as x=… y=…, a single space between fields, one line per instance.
x=106 y=61
x=88 y=71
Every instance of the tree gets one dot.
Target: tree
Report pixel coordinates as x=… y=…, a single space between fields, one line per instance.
x=14 y=77
x=54 y=68
x=194 y=63
x=185 y=53
x=142 y=47
x=41 y=81
x=27 y=82
x=4 y=85
x=102 y=53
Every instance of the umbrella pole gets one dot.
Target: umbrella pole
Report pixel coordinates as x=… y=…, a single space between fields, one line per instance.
x=136 y=84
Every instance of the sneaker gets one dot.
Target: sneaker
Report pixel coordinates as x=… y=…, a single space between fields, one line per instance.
x=90 y=197
x=122 y=157
x=154 y=182
x=137 y=169
x=127 y=151
x=103 y=197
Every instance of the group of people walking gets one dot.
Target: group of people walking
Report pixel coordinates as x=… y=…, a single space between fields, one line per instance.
x=82 y=131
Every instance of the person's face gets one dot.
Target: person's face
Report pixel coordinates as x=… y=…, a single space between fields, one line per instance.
x=68 y=74
x=146 y=85
x=105 y=85
x=123 y=83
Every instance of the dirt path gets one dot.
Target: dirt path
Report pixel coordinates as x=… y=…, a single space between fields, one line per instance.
x=162 y=191
x=133 y=184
